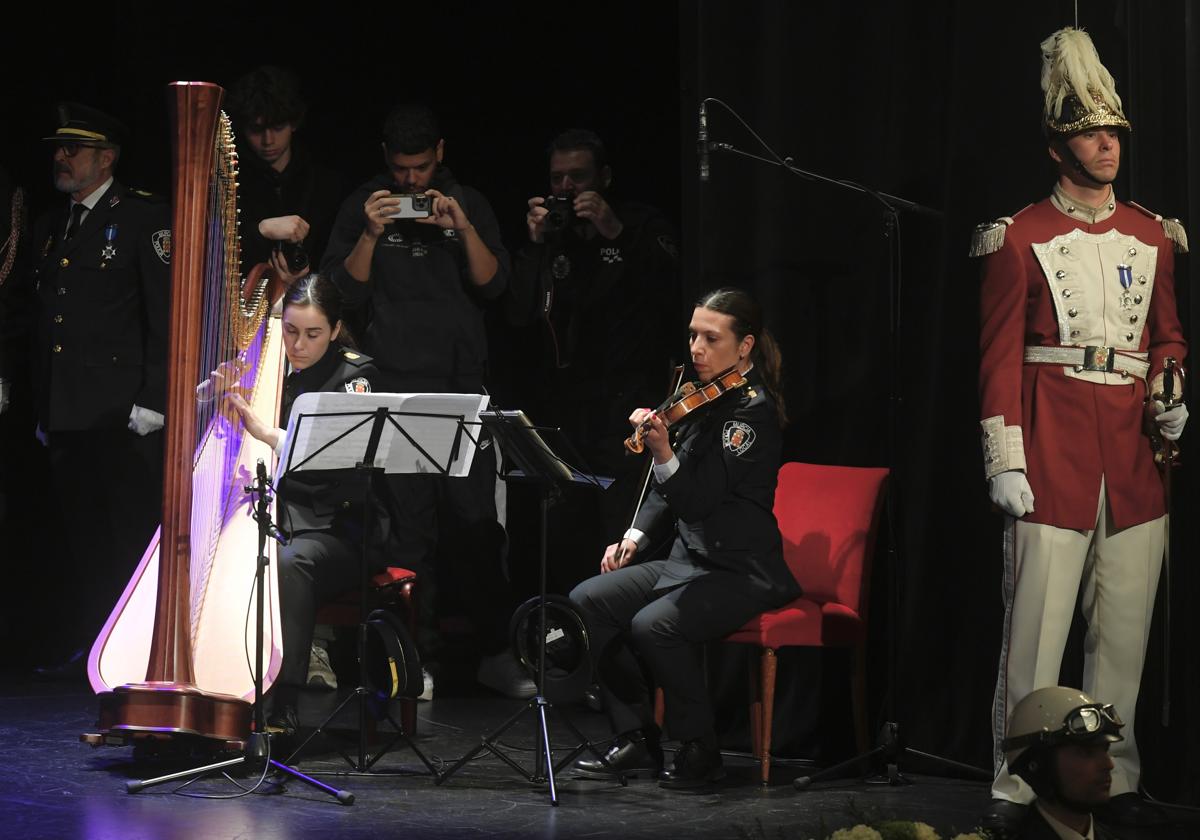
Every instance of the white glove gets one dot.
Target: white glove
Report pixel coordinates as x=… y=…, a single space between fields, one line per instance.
x=1010 y=491
x=4 y=394
x=143 y=421
x=1170 y=423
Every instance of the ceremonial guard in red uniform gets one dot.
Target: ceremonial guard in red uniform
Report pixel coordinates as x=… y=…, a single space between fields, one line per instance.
x=1077 y=318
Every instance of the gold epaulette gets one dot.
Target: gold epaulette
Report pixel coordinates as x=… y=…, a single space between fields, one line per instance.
x=988 y=238
x=1172 y=228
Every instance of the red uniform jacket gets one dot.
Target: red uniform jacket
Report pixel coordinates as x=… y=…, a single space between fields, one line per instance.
x=1040 y=289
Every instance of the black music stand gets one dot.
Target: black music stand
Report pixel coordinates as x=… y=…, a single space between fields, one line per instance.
x=537 y=464
x=257 y=752
x=360 y=433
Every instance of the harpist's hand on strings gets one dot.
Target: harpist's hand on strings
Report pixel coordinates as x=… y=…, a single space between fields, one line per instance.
x=256 y=427
x=222 y=379
x=618 y=555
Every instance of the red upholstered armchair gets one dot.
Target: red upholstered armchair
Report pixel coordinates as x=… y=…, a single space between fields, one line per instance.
x=828 y=517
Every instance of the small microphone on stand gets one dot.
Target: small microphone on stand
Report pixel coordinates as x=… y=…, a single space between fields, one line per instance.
x=261 y=514
x=702 y=146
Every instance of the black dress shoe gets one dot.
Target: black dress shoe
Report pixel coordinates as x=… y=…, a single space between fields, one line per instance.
x=696 y=765
x=1129 y=809
x=73 y=667
x=1004 y=818
x=629 y=754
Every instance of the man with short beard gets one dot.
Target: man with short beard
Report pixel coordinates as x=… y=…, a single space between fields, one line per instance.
x=102 y=272
x=1078 y=318
x=1058 y=744
x=599 y=275
x=424 y=283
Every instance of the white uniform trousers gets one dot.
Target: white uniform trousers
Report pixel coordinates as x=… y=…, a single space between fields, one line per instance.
x=1044 y=568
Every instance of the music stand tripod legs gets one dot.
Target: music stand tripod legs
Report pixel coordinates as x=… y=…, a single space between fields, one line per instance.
x=516 y=443
x=257 y=751
x=363 y=762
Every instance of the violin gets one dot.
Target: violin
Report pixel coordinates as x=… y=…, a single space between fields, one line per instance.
x=688 y=399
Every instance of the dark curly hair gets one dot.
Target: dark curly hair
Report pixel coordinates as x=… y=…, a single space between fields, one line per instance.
x=268 y=96
x=410 y=129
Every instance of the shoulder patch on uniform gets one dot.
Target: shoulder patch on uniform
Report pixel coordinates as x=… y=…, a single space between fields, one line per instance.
x=161 y=240
x=353 y=357
x=737 y=437
x=988 y=237
x=1172 y=228
x=358 y=385
x=145 y=196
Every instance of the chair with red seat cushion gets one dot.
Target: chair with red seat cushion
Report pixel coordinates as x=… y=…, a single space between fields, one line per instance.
x=828 y=517
x=393 y=588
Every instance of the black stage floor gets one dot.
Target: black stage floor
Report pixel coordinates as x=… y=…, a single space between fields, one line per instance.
x=52 y=786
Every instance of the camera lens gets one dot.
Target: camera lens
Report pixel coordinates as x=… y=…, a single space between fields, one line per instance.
x=420 y=202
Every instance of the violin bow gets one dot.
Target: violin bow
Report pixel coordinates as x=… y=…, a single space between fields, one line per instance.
x=675 y=382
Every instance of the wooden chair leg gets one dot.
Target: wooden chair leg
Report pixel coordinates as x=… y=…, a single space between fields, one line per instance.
x=768 y=711
x=660 y=708
x=858 y=695
x=756 y=709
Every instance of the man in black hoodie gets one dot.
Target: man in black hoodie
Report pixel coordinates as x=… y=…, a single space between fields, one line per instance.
x=287 y=201
x=423 y=283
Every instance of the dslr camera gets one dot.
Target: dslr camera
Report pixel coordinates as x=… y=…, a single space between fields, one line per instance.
x=413 y=206
x=560 y=212
x=294 y=254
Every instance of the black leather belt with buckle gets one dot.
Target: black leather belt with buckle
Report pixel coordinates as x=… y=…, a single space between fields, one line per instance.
x=1098 y=358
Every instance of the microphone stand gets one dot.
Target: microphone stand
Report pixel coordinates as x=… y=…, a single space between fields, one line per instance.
x=890 y=748
x=257 y=751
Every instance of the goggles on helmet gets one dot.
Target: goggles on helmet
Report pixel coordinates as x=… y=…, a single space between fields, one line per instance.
x=1083 y=723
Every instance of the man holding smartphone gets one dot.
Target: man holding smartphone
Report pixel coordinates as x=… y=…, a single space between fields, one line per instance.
x=423 y=275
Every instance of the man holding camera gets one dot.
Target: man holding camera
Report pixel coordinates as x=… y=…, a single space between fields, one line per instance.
x=601 y=278
x=422 y=255
x=287 y=201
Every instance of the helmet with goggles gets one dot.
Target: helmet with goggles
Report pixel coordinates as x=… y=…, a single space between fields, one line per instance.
x=1057 y=715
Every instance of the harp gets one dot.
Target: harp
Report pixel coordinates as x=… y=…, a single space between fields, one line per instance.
x=175 y=656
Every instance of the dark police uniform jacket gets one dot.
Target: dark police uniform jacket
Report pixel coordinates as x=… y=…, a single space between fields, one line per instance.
x=719 y=503
x=324 y=500
x=610 y=312
x=104 y=298
x=424 y=316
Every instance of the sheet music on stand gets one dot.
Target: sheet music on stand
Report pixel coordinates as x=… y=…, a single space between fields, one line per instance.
x=424 y=433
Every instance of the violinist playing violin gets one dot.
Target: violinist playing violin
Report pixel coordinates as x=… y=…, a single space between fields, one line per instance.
x=710 y=501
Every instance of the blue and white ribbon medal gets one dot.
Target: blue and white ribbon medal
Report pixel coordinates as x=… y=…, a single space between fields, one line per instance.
x=1125 y=275
x=110 y=237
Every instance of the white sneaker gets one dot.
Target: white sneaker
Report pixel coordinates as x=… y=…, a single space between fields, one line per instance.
x=501 y=672
x=320 y=672
x=427 y=688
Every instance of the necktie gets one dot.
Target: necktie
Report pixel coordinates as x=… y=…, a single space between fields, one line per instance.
x=76 y=219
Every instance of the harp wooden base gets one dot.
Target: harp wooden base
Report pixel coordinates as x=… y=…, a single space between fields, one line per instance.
x=169 y=710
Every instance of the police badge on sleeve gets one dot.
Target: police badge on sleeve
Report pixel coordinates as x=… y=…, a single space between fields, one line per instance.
x=161 y=240
x=737 y=437
x=358 y=385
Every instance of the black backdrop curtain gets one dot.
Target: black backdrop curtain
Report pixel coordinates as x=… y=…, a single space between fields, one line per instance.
x=936 y=102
